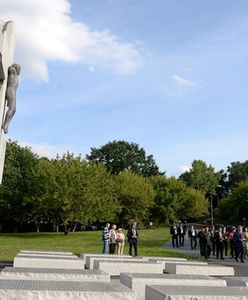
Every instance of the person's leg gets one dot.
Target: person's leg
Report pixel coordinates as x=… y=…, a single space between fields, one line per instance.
x=242 y=254
x=105 y=247
x=191 y=243
x=217 y=250
x=195 y=243
x=183 y=240
x=122 y=248
x=173 y=241
x=130 y=247
x=135 y=244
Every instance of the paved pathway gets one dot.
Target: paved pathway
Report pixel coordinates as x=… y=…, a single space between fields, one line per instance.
x=241 y=269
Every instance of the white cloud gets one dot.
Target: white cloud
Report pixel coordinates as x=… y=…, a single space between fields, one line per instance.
x=183 y=169
x=182 y=82
x=91 y=69
x=43 y=150
x=45 y=32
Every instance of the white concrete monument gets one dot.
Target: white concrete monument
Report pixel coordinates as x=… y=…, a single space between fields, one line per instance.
x=8 y=83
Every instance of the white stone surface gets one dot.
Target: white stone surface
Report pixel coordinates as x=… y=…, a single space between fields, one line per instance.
x=91 y=259
x=85 y=255
x=62 y=290
x=55 y=274
x=161 y=292
x=164 y=258
x=187 y=262
x=47 y=255
x=114 y=268
x=7 y=46
x=48 y=262
x=45 y=252
x=137 y=281
x=209 y=270
x=236 y=281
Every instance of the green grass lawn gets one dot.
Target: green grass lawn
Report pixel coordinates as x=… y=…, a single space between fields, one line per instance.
x=150 y=242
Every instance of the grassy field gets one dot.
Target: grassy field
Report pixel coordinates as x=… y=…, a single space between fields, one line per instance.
x=150 y=242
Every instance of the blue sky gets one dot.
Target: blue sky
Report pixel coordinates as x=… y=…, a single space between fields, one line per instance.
x=168 y=75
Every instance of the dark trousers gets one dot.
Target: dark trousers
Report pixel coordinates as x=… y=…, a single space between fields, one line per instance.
x=133 y=244
x=239 y=251
x=201 y=248
x=181 y=239
x=174 y=239
x=225 y=245
x=193 y=242
x=232 y=248
x=219 y=250
x=213 y=246
x=112 y=248
x=207 y=251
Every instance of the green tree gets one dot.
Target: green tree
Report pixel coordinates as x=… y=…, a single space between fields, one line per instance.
x=18 y=182
x=237 y=172
x=135 y=195
x=120 y=156
x=174 y=200
x=202 y=177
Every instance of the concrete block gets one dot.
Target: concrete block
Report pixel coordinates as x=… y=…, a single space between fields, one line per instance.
x=161 y=292
x=85 y=255
x=137 y=281
x=48 y=262
x=62 y=290
x=55 y=274
x=45 y=252
x=209 y=270
x=187 y=262
x=47 y=255
x=114 y=268
x=153 y=258
x=236 y=281
x=91 y=259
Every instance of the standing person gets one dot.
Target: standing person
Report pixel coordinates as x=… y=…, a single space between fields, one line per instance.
x=206 y=243
x=105 y=238
x=120 y=240
x=213 y=243
x=181 y=233
x=246 y=242
x=132 y=236
x=112 y=239
x=200 y=237
x=238 y=242
x=192 y=234
x=218 y=236
x=174 y=235
x=225 y=241
x=231 y=242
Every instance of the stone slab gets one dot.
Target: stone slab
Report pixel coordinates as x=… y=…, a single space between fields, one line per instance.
x=164 y=258
x=187 y=262
x=137 y=281
x=161 y=292
x=85 y=255
x=62 y=290
x=55 y=274
x=89 y=263
x=48 y=262
x=114 y=268
x=45 y=252
x=209 y=270
x=236 y=281
x=47 y=255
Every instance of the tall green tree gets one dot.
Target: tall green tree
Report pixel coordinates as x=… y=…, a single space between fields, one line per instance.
x=120 y=156
x=202 y=177
x=18 y=183
x=135 y=195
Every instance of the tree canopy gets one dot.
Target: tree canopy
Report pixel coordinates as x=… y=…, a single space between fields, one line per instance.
x=120 y=156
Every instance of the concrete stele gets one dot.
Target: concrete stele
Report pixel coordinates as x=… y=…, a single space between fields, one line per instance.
x=45 y=252
x=187 y=262
x=55 y=274
x=85 y=255
x=161 y=292
x=153 y=258
x=7 y=46
x=63 y=290
x=114 y=268
x=91 y=259
x=46 y=255
x=48 y=262
x=137 y=281
x=209 y=270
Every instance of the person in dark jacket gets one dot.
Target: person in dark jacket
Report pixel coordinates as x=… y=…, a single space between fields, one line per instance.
x=206 y=241
x=192 y=234
x=219 y=238
x=132 y=236
x=200 y=237
x=174 y=235
x=105 y=238
x=238 y=242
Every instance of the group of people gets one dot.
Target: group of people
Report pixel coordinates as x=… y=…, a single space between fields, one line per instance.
x=114 y=240
x=217 y=241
